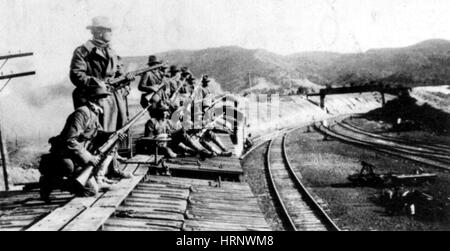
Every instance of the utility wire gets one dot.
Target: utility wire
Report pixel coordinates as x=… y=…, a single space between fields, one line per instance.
x=4 y=86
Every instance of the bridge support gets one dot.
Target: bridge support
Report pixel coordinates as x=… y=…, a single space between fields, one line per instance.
x=383 y=99
x=322 y=101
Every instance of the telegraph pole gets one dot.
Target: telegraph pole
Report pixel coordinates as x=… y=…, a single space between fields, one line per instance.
x=4 y=153
x=8 y=77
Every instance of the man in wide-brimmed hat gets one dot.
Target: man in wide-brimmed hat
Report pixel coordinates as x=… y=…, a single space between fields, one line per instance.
x=71 y=150
x=151 y=82
x=95 y=64
x=177 y=79
x=185 y=77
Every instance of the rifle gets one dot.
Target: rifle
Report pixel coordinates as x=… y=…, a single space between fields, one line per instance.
x=121 y=82
x=220 y=99
x=205 y=128
x=175 y=93
x=191 y=97
x=187 y=102
x=108 y=146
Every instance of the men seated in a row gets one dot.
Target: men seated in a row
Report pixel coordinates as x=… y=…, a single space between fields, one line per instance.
x=160 y=127
x=71 y=151
x=206 y=136
x=175 y=89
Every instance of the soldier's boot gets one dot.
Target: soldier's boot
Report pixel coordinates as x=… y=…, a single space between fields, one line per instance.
x=204 y=153
x=46 y=187
x=103 y=183
x=210 y=147
x=91 y=189
x=219 y=143
x=185 y=151
x=116 y=173
x=169 y=152
x=48 y=183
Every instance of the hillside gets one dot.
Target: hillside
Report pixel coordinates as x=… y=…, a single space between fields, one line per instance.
x=425 y=63
x=230 y=65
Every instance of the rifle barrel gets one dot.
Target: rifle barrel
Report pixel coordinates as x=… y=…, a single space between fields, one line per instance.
x=114 y=137
x=136 y=72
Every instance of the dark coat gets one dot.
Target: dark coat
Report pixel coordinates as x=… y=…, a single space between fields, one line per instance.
x=150 y=83
x=91 y=65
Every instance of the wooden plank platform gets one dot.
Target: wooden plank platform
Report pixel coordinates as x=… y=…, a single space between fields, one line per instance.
x=144 y=159
x=172 y=203
x=227 y=168
x=21 y=209
x=150 y=203
x=90 y=213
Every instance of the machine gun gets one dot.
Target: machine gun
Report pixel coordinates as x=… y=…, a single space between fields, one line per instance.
x=121 y=82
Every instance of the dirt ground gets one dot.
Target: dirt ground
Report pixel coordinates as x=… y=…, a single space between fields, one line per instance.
x=324 y=167
x=23 y=162
x=256 y=176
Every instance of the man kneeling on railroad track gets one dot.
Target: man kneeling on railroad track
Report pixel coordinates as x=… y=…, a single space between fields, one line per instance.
x=71 y=151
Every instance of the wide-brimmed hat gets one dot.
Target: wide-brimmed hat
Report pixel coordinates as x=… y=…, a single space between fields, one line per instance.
x=205 y=79
x=191 y=79
x=174 y=68
x=100 y=22
x=162 y=107
x=153 y=60
x=97 y=92
x=186 y=73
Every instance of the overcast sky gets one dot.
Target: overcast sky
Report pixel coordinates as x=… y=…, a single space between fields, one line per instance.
x=53 y=28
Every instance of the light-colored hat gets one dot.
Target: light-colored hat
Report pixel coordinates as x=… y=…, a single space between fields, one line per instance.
x=100 y=22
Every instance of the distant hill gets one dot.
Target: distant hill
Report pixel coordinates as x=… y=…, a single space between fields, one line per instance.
x=426 y=63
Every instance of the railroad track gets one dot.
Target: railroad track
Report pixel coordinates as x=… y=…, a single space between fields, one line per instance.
x=387 y=144
x=301 y=211
x=433 y=159
x=433 y=147
x=261 y=140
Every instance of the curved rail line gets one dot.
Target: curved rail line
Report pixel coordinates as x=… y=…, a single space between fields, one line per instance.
x=433 y=147
x=300 y=210
x=413 y=156
x=262 y=140
x=386 y=144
